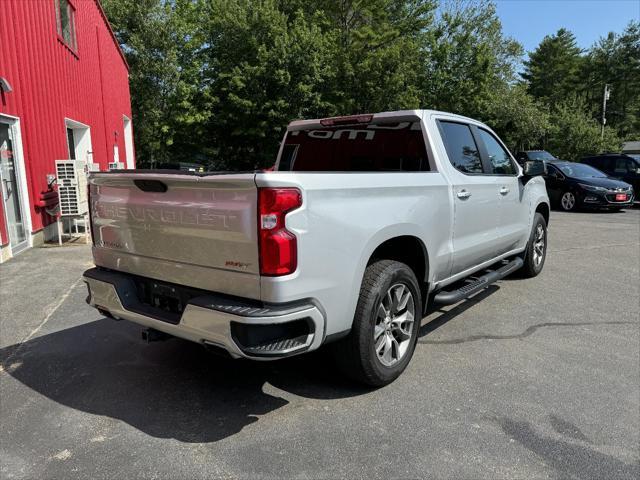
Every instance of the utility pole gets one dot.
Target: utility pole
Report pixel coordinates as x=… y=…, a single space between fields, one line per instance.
x=605 y=97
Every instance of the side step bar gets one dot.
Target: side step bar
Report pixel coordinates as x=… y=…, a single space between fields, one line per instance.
x=454 y=296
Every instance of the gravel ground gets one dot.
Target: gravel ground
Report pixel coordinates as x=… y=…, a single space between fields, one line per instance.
x=530 y=379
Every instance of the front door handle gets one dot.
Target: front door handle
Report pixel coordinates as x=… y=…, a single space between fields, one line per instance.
x=504 y=191
x=463 y=194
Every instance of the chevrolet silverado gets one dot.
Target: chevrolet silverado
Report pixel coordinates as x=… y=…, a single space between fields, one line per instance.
x=362 y=221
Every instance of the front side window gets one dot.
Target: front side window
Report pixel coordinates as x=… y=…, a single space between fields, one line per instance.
x=461 y=147
x=500 y=159
x=65 y=16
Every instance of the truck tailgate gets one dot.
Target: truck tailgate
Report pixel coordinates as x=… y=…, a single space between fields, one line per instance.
x=199 y=231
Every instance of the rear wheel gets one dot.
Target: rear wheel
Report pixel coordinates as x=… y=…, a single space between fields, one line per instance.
x=385 y=327
x=536 y=252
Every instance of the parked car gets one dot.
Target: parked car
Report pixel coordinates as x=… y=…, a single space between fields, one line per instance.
x=573 y=185
x=363 y=220
x=541 y=155
x=618 y=165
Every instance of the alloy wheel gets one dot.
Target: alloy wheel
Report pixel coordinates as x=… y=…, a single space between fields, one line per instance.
x=538 y=246
x=568 y=201
x=394 y=325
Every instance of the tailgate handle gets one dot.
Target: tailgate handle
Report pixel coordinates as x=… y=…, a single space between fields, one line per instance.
x=151 y=185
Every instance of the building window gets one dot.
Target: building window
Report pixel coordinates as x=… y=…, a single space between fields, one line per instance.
x=65 y=16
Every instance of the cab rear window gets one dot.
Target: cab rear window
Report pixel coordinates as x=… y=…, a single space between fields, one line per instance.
x=379 y=147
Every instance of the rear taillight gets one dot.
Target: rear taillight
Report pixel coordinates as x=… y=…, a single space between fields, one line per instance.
x=278 y=246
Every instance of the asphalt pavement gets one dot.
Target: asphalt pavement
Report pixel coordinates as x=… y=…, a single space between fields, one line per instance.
x=534 y=378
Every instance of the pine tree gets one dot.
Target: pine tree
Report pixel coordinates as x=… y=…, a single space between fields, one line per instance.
x=552 y=71
x=615 y=60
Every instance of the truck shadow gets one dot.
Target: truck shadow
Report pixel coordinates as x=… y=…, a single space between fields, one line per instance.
x=173 y=389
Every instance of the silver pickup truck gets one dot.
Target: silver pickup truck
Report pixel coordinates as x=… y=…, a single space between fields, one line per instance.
x=361 y=221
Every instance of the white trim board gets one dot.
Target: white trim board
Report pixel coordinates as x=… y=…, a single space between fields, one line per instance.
x=18 y=152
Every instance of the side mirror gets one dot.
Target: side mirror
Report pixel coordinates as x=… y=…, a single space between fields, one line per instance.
x=534 y=168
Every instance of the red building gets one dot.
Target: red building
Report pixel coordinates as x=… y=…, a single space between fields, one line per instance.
x=64 y=94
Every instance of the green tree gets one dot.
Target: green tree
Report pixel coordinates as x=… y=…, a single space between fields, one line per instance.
x=269 y=62
x=161 y=42
x=574 y=133
x=521 y=121
x=553 y=68
x=466 y=58
x=263 y=69
x=615 y=60
x=216 y=81
x=377 y=52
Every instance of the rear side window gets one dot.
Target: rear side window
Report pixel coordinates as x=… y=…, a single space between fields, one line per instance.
x=386 y=147
x=499 y=158
x=461 y=147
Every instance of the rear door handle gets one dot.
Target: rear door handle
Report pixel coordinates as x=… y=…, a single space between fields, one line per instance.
x=463 y=194
x=504 y=191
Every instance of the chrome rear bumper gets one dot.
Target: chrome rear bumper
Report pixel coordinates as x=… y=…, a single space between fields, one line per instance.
x=213 y=319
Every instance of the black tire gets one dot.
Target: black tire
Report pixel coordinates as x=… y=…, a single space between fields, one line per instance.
x=356 y=353
x=532 y=267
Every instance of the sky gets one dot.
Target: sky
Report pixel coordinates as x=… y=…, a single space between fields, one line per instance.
x=529 y=21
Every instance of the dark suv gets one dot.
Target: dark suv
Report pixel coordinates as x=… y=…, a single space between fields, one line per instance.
x=617 y=165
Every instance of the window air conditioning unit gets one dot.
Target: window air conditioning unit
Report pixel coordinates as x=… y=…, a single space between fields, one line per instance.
x=93 y=167
x=72 y=187
x=116 y=166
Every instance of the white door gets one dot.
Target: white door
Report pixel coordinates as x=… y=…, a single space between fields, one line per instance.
x=78 y=141
x=475 y=198
x=10 y=177
x=513 y=226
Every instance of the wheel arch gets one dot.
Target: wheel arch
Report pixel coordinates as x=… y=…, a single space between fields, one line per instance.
x=544 y=210
x=407 y=249
x=410 y=250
